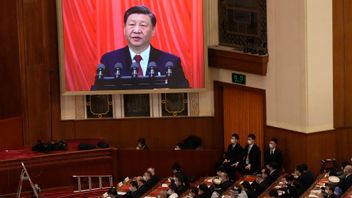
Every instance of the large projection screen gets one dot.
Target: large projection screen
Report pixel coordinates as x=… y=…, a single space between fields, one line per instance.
x=90 y=29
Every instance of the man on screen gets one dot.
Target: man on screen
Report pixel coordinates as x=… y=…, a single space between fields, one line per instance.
x=139 y=28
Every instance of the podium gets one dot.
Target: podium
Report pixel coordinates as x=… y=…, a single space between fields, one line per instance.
x=129 y=82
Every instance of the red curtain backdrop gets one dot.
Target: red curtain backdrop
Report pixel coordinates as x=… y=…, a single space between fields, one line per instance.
x=94 y=27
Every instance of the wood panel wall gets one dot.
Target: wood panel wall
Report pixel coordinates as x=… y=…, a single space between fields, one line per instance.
x=312 y=148
x=11 y=133
x=10 y=100
x=342 y=46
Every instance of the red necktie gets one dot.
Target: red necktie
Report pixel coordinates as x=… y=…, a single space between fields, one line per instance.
x=138 y=59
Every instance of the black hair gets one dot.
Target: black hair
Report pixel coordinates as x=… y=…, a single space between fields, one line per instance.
x=274 y=140
x=141 y=141
x=194 y=190
x=141 y=9
x=112 y=191
x=203 y=187
x=274 y=165
x=267 y=171
x=176 y=167
x=236 y=136
x=134 y=183
x=251 y=136
x=301 y=168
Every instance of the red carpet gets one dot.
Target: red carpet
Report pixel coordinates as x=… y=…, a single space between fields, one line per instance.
x=69 y=194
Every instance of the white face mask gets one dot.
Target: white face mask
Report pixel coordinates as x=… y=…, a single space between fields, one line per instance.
x=271 y=146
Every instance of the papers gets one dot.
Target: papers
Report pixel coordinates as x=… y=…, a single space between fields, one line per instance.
x=121 y=193
x=164 y=185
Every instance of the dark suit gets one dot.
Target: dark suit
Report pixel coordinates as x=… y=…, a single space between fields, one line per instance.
x=274 y=175
x=346 y=183
x=233 y=154
x=262 y=186
x=178 y=79
x=275 y=157
x=254 y=159
x=306 y=179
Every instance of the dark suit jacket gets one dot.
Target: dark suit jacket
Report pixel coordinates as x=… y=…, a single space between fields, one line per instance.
x=254 y=158
x=276 y=157
x=234 y=154
x=306 y=179
x=274 y=175
x=346 y=183
x=123 y=56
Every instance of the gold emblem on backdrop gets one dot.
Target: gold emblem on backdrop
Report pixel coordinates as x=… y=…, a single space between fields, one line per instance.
x=99 y=106
x=174 y=104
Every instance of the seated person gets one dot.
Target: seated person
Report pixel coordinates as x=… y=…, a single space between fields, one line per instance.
x=274 y=171
x=263 y=182
x=154 y=178
x=203 y=191
x=251 y=159
x=178 y=185
x=177 y=170
x=178 y=146
x=220 y=184
x=330 y=191
x=112 y=192
x=240 y=192
x=251 y=192
x=304 y=176
x=346 y=181
x=141 y=144
x=133 y=190
x=273 y=154
x=233 y=156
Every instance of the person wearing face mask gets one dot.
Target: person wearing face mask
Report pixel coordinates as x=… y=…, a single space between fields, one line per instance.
x=233 y=156
x=251 y=160
x=141 y=144
x=273 y=154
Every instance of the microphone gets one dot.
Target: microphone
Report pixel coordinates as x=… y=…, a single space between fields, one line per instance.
x=152 y=66
x=134 y=67
x=118 y=66
x=169 y=65
x=100 y=70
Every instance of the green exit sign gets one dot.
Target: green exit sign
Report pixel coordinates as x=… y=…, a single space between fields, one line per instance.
x=239 y=78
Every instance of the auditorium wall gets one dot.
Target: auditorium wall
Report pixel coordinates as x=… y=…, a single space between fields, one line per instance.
x=10 y=100
x=299 y=80
x=286 y=84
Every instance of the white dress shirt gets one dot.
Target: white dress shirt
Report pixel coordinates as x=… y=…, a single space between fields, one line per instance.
x=145 y=58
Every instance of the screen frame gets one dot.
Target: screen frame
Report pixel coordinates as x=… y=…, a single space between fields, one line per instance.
x=62 y=78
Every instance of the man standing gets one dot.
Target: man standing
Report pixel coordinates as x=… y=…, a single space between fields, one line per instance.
x=139 y=28
x=273 y=154
x=251 y=159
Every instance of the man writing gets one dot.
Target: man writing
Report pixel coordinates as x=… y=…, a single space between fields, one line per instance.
x=139 y=28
